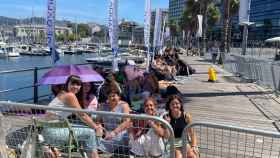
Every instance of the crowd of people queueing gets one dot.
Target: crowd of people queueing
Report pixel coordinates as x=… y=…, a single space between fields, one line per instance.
x=131 y=90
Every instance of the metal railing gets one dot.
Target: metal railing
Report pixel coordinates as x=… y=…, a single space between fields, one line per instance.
x=30 y=89
x=22 y=130
x=218 y=140
x=264 y=72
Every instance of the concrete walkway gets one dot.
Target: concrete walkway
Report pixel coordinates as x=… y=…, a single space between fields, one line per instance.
x=228 y=101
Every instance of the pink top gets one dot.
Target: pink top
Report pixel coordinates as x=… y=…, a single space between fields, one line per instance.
x=92 y=103
x=132 y=72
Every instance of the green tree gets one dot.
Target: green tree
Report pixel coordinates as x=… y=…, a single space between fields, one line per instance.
x=189 y=21
x=231 y=8
x=173 y=29
x=214 y=16
x=60 y=37
x=84 y=30
x=71 y=37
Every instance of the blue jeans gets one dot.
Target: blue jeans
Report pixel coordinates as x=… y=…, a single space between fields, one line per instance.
x=60 y=136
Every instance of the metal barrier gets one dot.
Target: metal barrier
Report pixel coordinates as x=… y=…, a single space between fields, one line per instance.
x=217 y=140
x=264 y=72
x=28 y=129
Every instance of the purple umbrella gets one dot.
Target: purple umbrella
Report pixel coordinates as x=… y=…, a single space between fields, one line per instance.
x=59 y=74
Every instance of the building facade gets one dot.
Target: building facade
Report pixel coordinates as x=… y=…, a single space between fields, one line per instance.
x=164 y=13
x=176 y=9
x=22 y=31
x=266 y=16
x=130 y=32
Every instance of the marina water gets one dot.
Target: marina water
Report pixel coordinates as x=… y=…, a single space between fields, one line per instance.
x=9 y=81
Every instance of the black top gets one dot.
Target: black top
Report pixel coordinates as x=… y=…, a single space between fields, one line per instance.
x=178 y=125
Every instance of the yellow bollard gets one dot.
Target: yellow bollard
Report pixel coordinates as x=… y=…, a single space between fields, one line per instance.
x=212 y=75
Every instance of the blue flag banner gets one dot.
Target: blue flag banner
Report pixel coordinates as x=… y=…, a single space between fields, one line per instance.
x=51 y=11
x=113 y=31
x=147 y=28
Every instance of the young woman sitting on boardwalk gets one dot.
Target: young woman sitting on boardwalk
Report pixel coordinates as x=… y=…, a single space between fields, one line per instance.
x=90 y=100
x=179 y=119
x=67 y=98
x=116 y=136
x=146 y=137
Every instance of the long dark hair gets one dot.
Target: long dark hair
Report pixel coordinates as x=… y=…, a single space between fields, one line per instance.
x=92 y=90
x=56 y=89
x=170 y=99
x=73 y=79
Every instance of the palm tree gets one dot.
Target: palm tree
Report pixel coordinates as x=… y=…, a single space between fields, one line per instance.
x=230 y=9
x=173 y=30
x=189 y=21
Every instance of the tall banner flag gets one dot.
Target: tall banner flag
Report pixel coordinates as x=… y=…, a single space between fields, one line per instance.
x=167 y=32
x=147 y=30
x=199 y=31
x=157 y=31
x=162 y=38
x=113 y=32
x=51 y=29
x=244 y=11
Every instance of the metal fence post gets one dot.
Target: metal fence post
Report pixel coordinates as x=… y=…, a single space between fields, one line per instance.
x=273 y=77
x=35 y=86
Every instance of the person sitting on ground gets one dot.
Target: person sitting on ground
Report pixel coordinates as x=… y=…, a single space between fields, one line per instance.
x=179 y=119
x=150 y=84
x=116 y=128
x=105 y=89
x=90 y=101
x=145 y=137
x=69 y=98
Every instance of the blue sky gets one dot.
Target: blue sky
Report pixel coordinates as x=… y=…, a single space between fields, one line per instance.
x=78 y=10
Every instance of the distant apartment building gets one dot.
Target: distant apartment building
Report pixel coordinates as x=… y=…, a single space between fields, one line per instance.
x=23 y=31
x=176 y=9
x=138 y=35
x=130 y=31
x=266 y=16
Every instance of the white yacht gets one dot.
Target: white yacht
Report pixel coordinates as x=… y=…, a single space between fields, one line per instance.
x=8 y=50
x=12 y=51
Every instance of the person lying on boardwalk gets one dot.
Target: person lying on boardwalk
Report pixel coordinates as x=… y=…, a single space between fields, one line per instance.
x=67 y=98
x=146 y=137
x=179 y=119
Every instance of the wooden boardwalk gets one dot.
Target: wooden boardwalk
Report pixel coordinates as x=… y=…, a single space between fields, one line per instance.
x=230 y=102
x=227 y=101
